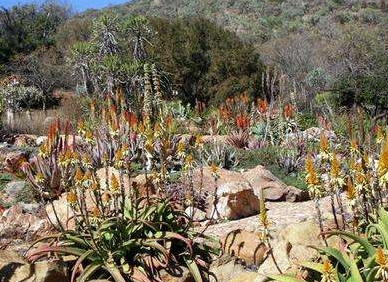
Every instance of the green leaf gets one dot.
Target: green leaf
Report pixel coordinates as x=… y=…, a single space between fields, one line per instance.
x=335 y=254
x=285 y=278
x=355 y=274
x=115 y=272
x=362 y=241
x=79 y=262
x=194 y=270
x=89 y=271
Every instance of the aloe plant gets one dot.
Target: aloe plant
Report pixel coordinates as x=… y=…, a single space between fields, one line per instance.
x=150 y=236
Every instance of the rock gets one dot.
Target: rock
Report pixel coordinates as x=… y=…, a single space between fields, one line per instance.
x=13 y=161
x=245 y=245
x=25 y=140
x=30 y=207
x=49 y=271
x=40 y=140
x=14 y=188
x=15 y=223
x=246 y=277
x=196 y=214
x=291 y=224
x=61 y=210
x=227 y=269
x=143 y=185
x=212 y=139
x=256 y=179
x=312 y=134
x=239 y=192
x=13 y=268
x=235 y=200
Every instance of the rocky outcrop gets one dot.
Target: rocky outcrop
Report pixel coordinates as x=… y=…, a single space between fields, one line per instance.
x=235 y=200
x=238 y=193
x=245 y=245
x=15 y=223
x=13 y=268
x=293 y=228
x=312 y=134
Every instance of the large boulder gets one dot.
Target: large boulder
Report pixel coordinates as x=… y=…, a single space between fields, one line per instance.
x=238 y=193
x=15 y=223
x=234 y=200
x=256 y=179
x=60 y=213
x=245 y=245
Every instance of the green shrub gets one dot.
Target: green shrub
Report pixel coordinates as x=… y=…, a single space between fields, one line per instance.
x=266 y=156
x=370 y=16
x=306 y=120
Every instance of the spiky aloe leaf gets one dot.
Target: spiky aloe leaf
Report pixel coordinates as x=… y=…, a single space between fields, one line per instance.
x=363 y=242
x=79 y=262
x=115 y=273
x=318 y=267
x=55 y=249
x=194 y=270
x=173 y=235
x=383 y=217
x=285 y=278
x=89 y=271
x=344 y=261
x=355 y=274
x=380 y=227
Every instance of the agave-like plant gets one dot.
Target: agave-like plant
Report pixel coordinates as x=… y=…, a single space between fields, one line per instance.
x=149 y=239
x=362 y=259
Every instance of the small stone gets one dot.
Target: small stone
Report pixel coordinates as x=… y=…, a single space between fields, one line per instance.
x=198 y=214
x=14 y=188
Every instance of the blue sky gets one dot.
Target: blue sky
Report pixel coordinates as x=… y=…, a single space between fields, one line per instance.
x=77 y=5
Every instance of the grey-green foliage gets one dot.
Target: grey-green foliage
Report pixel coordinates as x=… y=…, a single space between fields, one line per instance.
x=17 y=97
x=220 y=154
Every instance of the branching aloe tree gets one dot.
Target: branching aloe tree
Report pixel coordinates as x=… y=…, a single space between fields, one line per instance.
x=115 y=57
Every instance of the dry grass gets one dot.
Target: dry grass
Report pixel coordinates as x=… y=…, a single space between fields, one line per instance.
x=71 y=109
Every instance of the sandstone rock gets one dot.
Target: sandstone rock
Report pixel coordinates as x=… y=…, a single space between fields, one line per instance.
x=13 y=161
x=30 y=207
x=142 y=185
x=215 y=139
x=195 y=214
x=25 y=140
x=13 y=268
x=60 y=210
x=227 y=268
x=14 y=188
x=15 y=223
x=239 y=192
x=256 y=179
x=40 y=140
x=235 y=200
x=245 y=245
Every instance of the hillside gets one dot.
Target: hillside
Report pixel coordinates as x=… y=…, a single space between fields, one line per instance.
x=262 y=20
